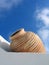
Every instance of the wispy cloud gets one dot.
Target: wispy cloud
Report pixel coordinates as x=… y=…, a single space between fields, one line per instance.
x=8 y=3
x=44 y=34
x=43 y=17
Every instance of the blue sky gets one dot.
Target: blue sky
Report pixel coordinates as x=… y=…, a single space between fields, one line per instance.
x=32 y=15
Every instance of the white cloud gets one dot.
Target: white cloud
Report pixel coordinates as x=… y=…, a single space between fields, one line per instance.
x=8 y=3
x=43 y=15
x=43 y=18
x=44 y=34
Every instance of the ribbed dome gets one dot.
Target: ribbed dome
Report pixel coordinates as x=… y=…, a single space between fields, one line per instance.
x=23 y=41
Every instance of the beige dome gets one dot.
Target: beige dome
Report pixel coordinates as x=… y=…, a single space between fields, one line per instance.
x=23 y=41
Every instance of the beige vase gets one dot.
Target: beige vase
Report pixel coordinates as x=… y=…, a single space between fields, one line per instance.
x=23 y=41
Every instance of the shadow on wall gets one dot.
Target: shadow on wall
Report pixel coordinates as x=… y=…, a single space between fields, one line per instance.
x=4 y=44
